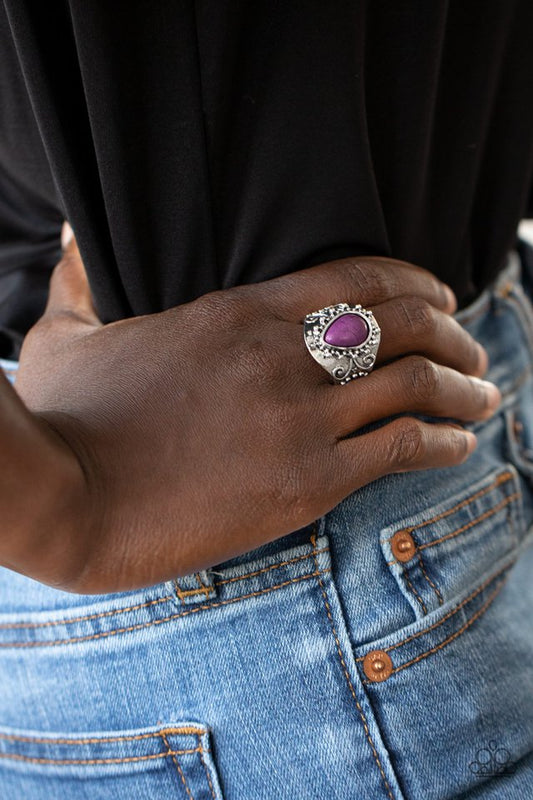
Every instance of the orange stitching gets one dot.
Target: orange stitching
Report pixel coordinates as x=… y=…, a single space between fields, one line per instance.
x=347 y=675
x=11 y=625
x=453 y=636
x=207 y=775
x=486 y=514
x=448 y=615
x=510 y=523
x=160 y=621
x=87 y=761
x=428 y=579
x=172 y=753
x=207 y=590
x=408 y=582
x=503 y=478
x=178 y=590
x=181 y=593
x=273 y=566
x=106 y=739
x=204 y=589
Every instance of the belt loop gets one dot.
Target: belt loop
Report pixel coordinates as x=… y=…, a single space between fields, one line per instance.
x=195 y=588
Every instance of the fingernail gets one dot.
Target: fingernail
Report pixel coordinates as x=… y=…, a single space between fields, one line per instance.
x=452 y=300
x=493 y=393
x=483 y=359
x=471 y=441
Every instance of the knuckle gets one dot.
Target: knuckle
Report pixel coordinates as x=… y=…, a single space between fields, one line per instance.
x=417 y=316
x=40 y=333
x=259 y=362
x=424 y=380
x=280 y=425
x=62 y=268
x=408 y=443
x=370 y=279
x=228 y=307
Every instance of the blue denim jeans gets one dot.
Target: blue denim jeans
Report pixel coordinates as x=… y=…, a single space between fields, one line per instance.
x=384 y=652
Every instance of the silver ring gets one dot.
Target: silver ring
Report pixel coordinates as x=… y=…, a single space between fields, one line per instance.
x=343 y=339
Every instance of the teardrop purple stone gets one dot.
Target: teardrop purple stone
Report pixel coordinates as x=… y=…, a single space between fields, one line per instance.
x=348 y=330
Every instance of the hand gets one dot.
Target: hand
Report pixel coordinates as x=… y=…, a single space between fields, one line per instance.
x=207 y=430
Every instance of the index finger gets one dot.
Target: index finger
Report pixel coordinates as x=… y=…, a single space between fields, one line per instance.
x=365 y=280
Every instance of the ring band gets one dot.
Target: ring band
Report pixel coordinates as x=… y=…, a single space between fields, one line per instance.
x=343 y=339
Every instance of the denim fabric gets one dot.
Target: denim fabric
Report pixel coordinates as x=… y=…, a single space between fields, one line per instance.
x=9 y=368
x=385 y=652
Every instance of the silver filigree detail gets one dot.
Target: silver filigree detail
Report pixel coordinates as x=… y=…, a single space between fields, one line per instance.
x=343 y=363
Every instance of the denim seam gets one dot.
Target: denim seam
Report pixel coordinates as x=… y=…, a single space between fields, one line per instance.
x=92 y=761
x=428 y=579
x=50 y=623
x=347 y=675
x=414 y=591
x=172 y=754
x=447 y=616
x=207 y=775
x=503 y=478
x=455 y=635
x=104 y=739
x=160 y=621
x=521 y=455
x=271 y=567
x=485 y=515
x=167 y=598
x=481 y=518
x=518 y=301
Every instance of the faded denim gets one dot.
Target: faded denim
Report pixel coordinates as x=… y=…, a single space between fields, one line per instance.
x=384 y=653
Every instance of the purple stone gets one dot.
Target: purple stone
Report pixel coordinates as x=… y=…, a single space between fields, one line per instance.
x=348 y=330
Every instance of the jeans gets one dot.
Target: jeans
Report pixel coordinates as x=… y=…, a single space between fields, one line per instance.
x=384 y=652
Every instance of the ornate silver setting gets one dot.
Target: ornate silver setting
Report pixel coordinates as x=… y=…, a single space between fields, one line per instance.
x=343 y=363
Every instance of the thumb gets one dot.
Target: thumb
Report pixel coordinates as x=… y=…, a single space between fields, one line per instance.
x=70 y=293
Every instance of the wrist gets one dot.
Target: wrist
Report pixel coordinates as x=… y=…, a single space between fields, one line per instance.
x=45 y=535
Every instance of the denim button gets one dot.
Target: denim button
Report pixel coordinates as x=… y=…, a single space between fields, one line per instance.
x=377 y=665
x=403 y=546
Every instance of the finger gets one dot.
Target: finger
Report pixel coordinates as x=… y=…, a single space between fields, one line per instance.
x=410 y=384
x=403 y=445
x=410 y=324
x=367 y=281
x=70 y=294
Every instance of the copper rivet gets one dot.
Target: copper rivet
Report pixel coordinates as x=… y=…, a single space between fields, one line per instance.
x=518 y=427
x=403 y=546
x=377 y=666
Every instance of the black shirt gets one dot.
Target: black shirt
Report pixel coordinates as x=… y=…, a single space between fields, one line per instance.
x=199 y=145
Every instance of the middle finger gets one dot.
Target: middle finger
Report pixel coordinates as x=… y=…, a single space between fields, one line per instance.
x=411 y=325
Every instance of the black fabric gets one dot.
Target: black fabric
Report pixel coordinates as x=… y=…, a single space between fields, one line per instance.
x=199 y=145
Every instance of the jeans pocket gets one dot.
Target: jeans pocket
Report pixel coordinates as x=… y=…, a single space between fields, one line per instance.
x=442 y=551
x=171 y=761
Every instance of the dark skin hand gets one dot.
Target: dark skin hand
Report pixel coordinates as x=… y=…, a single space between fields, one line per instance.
x=168 y=443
